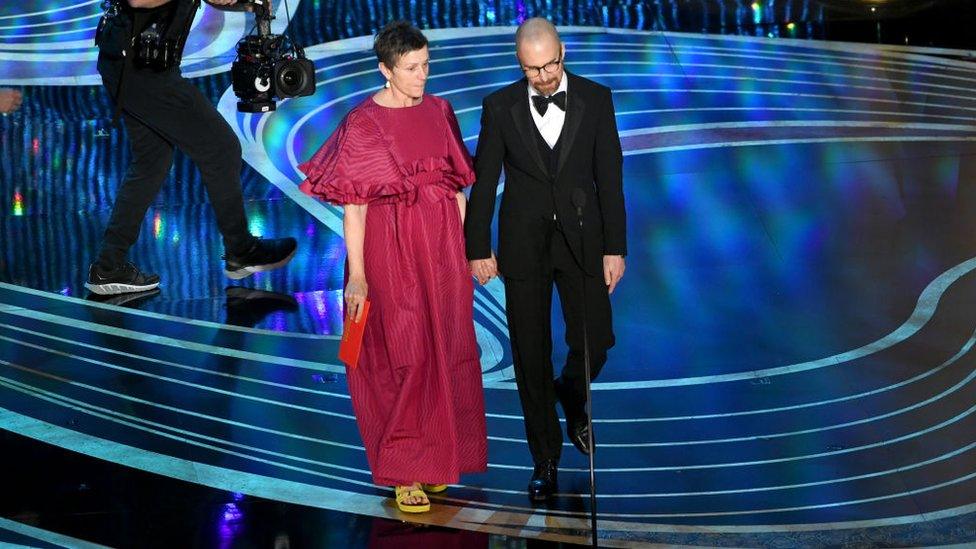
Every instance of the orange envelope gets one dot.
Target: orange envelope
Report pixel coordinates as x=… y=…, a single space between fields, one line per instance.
x=352 y=338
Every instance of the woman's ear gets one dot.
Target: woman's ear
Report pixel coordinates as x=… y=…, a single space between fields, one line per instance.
x=385 y=71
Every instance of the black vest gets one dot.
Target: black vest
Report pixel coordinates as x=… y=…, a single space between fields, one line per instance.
x=550 y=156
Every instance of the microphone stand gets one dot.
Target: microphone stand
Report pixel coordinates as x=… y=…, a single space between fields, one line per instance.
x=579 y=201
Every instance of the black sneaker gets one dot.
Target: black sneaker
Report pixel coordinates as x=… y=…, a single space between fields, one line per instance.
x=125 y=279
x=264 y=255
x=132 y=300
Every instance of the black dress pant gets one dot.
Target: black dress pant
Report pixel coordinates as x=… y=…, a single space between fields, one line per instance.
x=163 y=111
x=528 y=304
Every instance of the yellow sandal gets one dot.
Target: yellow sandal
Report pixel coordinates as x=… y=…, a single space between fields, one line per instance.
x=402 y=493
x=434 y=488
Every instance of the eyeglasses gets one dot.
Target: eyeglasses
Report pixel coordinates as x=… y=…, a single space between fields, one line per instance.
x=548 y=68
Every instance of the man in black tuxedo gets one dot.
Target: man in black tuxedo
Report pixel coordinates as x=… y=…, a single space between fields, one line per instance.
x=553 y=132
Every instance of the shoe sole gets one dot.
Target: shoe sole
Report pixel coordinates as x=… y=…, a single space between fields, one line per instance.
x=583 y=451
x=248 y=271
x=118 y=288
x=413 y=508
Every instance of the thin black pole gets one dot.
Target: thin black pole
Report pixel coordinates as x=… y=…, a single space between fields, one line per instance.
x=579 y=200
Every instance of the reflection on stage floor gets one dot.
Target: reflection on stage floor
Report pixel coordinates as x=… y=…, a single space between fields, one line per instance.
x=794 y=357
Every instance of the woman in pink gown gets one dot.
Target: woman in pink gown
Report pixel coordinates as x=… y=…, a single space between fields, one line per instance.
x=397 y=164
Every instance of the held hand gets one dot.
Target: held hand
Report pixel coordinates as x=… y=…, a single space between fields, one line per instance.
x=484 y=269
x=355 y=297
x=10 y=101
x=222 y=2
x=613 y=270
x=265 y=7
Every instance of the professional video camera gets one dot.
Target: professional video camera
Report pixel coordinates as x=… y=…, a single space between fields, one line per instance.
x=268 y=66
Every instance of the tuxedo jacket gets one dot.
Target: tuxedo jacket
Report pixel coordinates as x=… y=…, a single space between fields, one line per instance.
x=589 y=158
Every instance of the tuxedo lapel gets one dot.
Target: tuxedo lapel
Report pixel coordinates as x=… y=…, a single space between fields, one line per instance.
x=574 y=116
x=522 y=118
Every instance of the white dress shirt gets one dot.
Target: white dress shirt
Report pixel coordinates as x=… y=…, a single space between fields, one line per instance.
x=550 y=125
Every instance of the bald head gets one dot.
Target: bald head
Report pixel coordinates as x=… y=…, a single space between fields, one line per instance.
x=541 y=54
x=535 y=31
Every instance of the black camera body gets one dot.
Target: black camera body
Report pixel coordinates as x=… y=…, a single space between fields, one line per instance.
x=269 y=66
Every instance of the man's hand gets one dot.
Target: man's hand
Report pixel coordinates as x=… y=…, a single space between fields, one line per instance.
x=148 y=4
x=10 y=101
x=263 y=6
x=484 y=269
x=613 y=270
x=232 y=5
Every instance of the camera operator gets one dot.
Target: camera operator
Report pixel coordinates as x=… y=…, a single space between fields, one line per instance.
x=162 y=111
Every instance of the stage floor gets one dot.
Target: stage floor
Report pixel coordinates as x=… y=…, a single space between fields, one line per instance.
x=794 y=358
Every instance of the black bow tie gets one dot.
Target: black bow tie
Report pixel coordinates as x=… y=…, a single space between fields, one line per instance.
x=541 y=103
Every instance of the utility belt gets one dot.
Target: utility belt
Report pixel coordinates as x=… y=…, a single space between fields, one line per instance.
x=149 y=38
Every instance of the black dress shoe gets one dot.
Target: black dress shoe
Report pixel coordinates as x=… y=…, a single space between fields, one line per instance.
x=544 y=482
x=577 y=426
x=579 y=435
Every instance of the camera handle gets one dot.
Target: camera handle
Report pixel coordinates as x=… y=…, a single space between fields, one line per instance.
x=262 y=15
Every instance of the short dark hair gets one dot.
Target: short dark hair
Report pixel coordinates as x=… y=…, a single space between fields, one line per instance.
x=396 y=39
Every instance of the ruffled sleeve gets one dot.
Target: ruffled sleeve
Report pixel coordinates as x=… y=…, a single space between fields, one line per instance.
x=353 y=166
x=457 y=153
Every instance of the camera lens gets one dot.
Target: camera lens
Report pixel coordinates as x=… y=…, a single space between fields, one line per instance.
x=294 y=77
x=291 y=78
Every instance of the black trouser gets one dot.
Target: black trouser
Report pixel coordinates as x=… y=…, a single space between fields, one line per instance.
x=163 y=111
x=528 y=304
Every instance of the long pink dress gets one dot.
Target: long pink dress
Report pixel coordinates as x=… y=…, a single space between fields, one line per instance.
x=417 y=391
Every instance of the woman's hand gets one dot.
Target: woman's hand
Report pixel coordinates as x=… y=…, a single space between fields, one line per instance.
x=355 y=297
